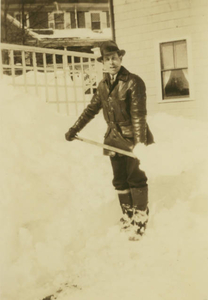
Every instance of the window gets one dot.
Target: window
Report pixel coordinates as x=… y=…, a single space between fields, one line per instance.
x=50 y=20
x=81 y=19
x=95 y=21
x=59 y=20
x=18 y=17
x=38 y=20
x=108 y=19
x=174 y=70
x=73 y=20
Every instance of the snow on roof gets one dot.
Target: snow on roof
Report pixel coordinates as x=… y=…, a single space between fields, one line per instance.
x=78 y=33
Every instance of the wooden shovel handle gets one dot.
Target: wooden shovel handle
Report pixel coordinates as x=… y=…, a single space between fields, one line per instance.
x=111 y=148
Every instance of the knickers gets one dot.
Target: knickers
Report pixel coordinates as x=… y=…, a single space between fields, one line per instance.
x=127 y=173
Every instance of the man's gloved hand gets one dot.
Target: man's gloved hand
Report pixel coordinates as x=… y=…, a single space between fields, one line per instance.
x=140 y=150
x=147 y=156
x=71 y=134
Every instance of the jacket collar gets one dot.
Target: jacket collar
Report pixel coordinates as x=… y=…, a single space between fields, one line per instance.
x=122 y=75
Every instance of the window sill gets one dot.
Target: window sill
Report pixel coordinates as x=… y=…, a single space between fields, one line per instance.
x=175 y=100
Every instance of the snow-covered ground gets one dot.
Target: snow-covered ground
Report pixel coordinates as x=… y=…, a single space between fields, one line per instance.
x=59 y=230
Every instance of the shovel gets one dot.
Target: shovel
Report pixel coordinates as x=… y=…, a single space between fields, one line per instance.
x=111 y=148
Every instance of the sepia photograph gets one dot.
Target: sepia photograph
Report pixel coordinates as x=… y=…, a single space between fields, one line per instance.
x=104 y=138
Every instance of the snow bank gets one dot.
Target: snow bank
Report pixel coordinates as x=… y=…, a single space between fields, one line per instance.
x=179 y=144
x=58 y=88
x=59 y=212
x=57 y=85
x=44 y=189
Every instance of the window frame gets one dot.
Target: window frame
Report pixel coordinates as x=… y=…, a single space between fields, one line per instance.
x=159 y=72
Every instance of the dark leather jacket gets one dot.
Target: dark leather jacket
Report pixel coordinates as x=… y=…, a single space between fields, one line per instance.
x=124 y=109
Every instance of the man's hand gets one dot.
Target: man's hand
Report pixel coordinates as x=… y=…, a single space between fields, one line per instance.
x=147 y=156
x=140 y=150
x=71 y=134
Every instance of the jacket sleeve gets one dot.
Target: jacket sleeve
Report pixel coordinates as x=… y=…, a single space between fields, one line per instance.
x=138 y=110
x=89 y=112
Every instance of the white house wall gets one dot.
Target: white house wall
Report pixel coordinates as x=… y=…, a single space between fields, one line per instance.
x=140 y=25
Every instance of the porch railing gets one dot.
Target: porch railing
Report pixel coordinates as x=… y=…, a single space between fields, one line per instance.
x=63 y=78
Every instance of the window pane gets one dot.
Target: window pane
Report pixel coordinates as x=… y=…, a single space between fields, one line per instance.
x=95 y=25
x=59 y=21
x=95 y=17
x=59 y=26
x=181 y=55
x=167 y=56
x=59 y=18
x=73 y=20
x=175 y=83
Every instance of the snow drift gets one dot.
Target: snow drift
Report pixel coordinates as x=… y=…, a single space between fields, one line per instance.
x=59 y=213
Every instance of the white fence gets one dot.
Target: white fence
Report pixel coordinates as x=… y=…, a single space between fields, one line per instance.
x=65 y=79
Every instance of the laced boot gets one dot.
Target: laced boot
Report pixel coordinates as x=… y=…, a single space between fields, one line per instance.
x=126 y=206
x=140 y=209
x=140 y=220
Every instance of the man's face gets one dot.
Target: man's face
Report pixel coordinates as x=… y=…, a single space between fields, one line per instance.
x=112 y=63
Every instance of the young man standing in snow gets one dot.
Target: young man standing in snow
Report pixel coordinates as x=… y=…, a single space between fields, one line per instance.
x=122 y=96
